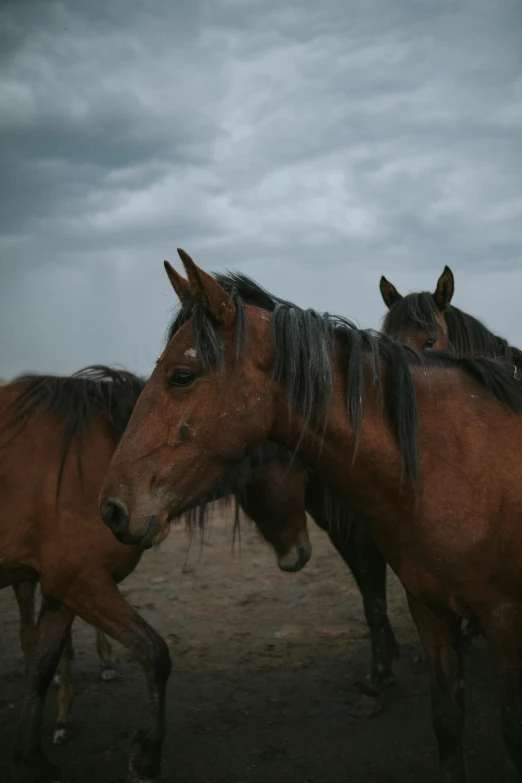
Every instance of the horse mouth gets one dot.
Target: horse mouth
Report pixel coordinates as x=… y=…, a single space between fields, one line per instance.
x=151 y=533
x=156 y=532
x=303 y=555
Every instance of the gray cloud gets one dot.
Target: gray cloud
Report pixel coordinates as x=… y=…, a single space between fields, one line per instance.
x=313 y=147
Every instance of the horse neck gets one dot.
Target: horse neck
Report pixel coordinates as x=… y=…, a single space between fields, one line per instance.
x=352 y=464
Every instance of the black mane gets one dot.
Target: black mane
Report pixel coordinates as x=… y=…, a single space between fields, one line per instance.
x=302 y=341
x=76 y=400
x=468 y=336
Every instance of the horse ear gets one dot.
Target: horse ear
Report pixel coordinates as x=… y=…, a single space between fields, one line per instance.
x=445 y=289
x=389 y=293
x=214 y=297
x=178 y=283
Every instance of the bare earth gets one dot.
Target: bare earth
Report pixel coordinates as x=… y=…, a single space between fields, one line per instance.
x=265 y=668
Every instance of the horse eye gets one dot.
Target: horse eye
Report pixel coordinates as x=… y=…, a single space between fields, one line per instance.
x=430 y=342
x=182 y=378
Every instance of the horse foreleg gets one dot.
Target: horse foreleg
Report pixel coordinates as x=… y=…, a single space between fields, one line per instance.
x=50 y=636
x=440 y=635
x=25 y=595
x=103 y=646
x=361 y=554
x=99 y=602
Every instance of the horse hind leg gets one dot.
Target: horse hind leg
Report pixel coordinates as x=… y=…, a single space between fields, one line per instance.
x=69 y=651
x=440 y=636
x=64 y=681
x=65 y=693
x=358 y=549
x=104 y=648
x=29 y=760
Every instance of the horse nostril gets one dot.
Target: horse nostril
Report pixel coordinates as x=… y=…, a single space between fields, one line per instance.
x=115 y=515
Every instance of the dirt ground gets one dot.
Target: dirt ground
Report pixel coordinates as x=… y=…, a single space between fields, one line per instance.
x=265 y=668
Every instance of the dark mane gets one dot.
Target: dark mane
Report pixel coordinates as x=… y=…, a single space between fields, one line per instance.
x=468 y=336
x=302 y=341
x=76 y=400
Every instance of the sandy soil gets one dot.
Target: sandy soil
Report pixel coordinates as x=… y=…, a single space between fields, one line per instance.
x=265 y=668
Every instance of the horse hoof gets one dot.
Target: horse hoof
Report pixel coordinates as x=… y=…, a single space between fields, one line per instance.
x=60 y=735
x=109 y=674
x=367 y=706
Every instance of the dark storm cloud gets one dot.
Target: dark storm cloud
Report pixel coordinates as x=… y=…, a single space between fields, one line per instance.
x=317 y=146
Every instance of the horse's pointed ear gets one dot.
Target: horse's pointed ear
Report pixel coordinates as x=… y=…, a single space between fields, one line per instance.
x=178 y=283
x=214 y=297
x=389 y=293
x=445 y=289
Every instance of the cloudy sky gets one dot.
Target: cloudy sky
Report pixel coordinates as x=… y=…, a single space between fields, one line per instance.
x=312 y=145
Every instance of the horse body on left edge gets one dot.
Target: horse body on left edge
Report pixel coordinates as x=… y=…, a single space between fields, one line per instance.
x=57 y=437
x=432 y=457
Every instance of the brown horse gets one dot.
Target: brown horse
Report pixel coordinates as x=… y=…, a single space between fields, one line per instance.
x=432 y=457
x=56 y=441
x=277 y=491
x=429 y=322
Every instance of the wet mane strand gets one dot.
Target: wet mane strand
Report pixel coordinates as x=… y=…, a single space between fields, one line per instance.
x=76 y=400
x=468 y=336
x=302 y=341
